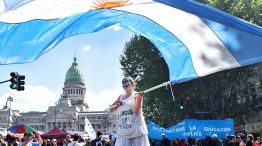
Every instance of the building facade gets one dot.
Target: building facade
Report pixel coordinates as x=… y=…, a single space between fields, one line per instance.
x=70 y=111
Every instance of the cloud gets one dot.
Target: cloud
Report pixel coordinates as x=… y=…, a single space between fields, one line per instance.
x=33 y=98
x=114 y=27
x=86 y=48
x=39 y=98
x=102 y=100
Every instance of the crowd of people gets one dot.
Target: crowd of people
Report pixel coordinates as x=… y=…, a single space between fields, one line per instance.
x=29 y=139
x=214 y=140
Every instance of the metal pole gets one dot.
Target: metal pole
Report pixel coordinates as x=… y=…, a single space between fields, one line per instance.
x=10 y=99
x=8 y=123
x=146 y=91
x=55 y=115
x=4 y=81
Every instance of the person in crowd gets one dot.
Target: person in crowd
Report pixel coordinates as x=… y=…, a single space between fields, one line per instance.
x=112 y=140
x=2 y=141
x=12 y=141
x=75 y=141
x=232 y=141
x=259 y=142
x=216 y=141
x=239 y=141
x=99 y=141
x=54 y=142
x=67 y=140
x=87 y=142
x=191 y=141
x=48 y=142
x=152 y=142
x=44 y=142
x=250 y=140
x=30 y=140
x=132 y=129
x=165 y=141
x=158 y=143
x=172 y=143
x=184 y=142
x=207 y=141
x=81 y=140
x=198 y=143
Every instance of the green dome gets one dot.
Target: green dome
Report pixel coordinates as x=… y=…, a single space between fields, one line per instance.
x=73 y=74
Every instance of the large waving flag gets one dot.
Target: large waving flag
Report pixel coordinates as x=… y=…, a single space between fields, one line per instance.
x=194 y=39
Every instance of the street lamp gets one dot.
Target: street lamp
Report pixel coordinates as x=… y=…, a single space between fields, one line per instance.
x=55 y=112
x=10 y=99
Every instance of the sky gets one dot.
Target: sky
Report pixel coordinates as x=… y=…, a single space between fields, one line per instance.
x=98 y=57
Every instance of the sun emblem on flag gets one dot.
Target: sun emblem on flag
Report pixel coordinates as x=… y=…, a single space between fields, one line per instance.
x=107 y=4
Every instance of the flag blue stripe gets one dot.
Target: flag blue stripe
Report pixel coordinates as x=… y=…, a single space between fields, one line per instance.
x=14 y=4
x=242 y=45
x=43 y=34
x=213 y=14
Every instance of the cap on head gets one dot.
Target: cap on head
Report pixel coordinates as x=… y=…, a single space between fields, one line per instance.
x=214 y=136
x=238 y=136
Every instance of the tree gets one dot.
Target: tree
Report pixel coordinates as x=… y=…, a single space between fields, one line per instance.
x=249 y=10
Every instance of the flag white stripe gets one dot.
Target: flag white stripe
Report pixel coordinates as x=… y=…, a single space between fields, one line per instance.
x=52 y=9
x=2 y=7
x=207 y=51
x=45 y=9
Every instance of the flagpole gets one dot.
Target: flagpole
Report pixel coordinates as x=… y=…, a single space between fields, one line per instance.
x=145 y=91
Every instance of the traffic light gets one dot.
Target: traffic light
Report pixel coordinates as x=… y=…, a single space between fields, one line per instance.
x=20 y=83
x=13 y=80
x=181 y=105
x=17 y=81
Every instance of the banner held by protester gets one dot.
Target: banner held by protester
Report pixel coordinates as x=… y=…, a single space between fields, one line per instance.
x=190 y=128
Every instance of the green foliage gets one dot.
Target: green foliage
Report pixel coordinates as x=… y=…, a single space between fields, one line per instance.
x=249 y=10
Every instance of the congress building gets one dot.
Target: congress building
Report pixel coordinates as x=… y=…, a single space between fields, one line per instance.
x=69 y=113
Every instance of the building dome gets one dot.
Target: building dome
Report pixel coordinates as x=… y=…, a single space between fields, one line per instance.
x=73 y=74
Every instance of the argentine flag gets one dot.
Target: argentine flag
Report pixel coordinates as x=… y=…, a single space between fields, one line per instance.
x=195 y=40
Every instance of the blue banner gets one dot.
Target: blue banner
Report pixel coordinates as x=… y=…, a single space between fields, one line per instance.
x=190 y=128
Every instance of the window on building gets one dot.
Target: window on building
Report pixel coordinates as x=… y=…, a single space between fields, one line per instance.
x=82 y=127
x=69 y=124
x=64 y=125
